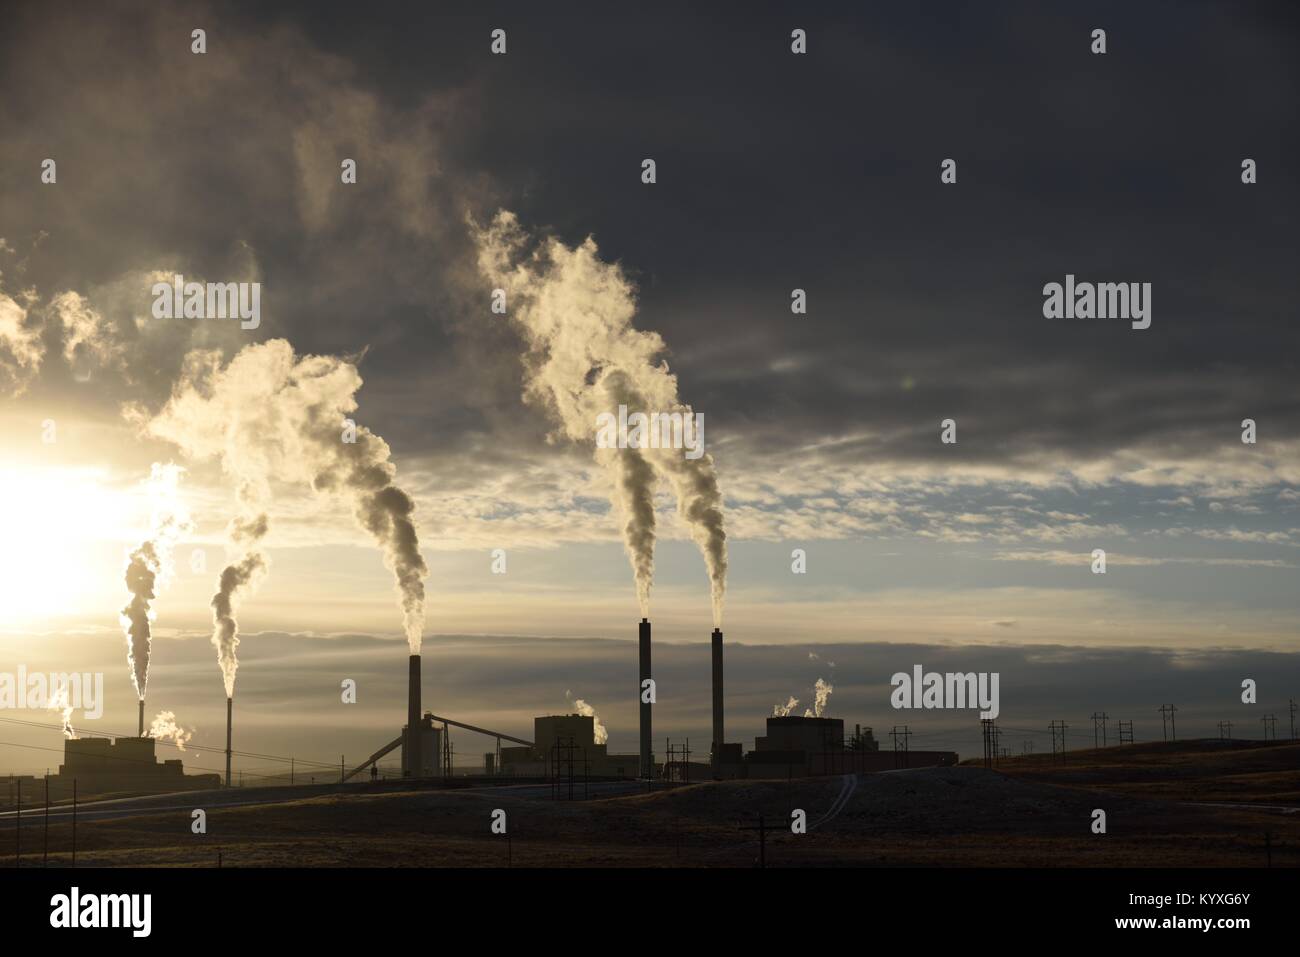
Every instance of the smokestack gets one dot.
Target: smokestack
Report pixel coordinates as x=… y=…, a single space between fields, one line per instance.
x=647 y=766
x=718 y=736
x=230 y=709
x=413 y=742
x=141 y=734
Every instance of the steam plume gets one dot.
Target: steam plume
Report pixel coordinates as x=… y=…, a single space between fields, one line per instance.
x=783 y=710
x=270 y=413
x=822 y=693
x=149 y=566
x=584 y=358
x=59 y=701
x=581 y=707
x=699 y=502
x=235 y=581
x=164 y=728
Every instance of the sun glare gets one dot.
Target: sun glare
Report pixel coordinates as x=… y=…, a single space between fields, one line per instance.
x=59 y=526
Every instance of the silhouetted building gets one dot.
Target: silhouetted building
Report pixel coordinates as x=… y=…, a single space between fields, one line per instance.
x=429 y=741
x=105 y=765
x=797 y=747
x=566 y=737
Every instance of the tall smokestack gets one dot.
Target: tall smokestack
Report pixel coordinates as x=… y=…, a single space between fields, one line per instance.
x=414 y=766
x=647 y=766
x=230 y=710
x=718 y=736
x=141 y=732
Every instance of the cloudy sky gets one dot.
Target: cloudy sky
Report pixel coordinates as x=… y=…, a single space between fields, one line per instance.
x=774 y=172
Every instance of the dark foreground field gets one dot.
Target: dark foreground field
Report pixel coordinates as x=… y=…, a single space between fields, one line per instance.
x=1164 y=806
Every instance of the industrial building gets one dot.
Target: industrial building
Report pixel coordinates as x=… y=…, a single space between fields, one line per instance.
x=428 y=740
x=127 y=765
x=798 y=747
x=563 y=738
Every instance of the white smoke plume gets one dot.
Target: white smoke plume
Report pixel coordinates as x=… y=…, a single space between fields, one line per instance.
x=235 y=581
x=59 y=701
x=581 y=707
x=822 y=693
x=164 y=727
x=585 y=358
x=783 y=710
x=148 y=568
x=269 y=413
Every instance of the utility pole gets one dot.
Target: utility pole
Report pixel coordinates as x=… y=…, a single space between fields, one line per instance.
x=1293 y=710
x=1269 y=719
x=1225 y=730
x=900 y=754
x=1027 y=747
x=1167 y=718
x=1099 y=721
x=990 y=741
x=1058 y=727
x=762 y=840
x=1126 y=732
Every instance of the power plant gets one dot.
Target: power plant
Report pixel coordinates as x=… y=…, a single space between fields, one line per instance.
x=562 y=743
x=567 y=743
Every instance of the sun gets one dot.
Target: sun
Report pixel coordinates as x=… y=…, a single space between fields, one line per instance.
x=60 y=529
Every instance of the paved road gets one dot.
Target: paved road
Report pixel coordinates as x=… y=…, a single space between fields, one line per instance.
x=1271 y=808
x=119 y=808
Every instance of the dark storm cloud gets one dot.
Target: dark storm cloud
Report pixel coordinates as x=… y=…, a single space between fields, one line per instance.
x=775 y=171
x=822 y=172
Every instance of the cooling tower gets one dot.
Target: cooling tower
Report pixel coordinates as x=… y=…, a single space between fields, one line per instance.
x=414 y=753
x=230 y=710
x=141 y=734
x=718 y=737
x=647 y=765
